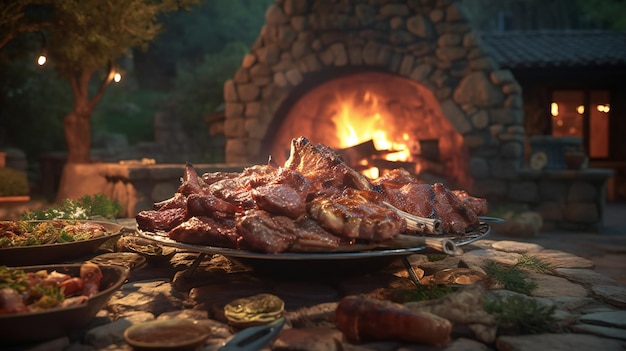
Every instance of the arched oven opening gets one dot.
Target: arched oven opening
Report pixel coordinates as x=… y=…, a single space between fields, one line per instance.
x=377 y=121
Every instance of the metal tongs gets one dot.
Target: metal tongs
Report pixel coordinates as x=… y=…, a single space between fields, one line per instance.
x=254 y=338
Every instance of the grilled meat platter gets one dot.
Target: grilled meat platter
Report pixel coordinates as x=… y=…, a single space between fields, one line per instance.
x=315 y=202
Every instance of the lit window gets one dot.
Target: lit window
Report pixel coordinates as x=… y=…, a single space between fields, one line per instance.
x=571 y=108
x=567 y=121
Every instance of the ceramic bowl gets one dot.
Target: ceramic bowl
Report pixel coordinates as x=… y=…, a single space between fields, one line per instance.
x=28 y=327
x=167 y=334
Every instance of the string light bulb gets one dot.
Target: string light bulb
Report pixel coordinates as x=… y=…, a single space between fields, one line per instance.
x=117 y=77
x=42 y=59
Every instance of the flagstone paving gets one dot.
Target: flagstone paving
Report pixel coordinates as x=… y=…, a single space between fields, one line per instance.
x=586 y=283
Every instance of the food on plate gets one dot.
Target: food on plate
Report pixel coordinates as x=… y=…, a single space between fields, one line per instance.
x=29 y=233
x=315 y=202
x=274 y=234
x=254 y=310
x=22 y=291
x=353 y=215
x=457 y=210
x=323 y=167
x=363 y=318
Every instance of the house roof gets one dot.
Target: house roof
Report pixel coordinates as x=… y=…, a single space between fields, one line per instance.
x=556 y=48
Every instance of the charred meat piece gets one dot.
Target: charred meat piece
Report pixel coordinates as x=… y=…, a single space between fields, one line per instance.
x=456 y=216
x=323 y=167
x=205 y=231
x=285 y=195
x=192 y=182
x=176 y=201
x=479 y=205
x=235 y=191
x=352 y=216
x=395 y=178
x=312 y=237
x=292 y=178
x=405 y=192
x=238 y=190
x=165 y=220
x=212 y=177
x=279 y=199
x=210 y=206
x=416 y=199
x=261 y=232
x=274 y=234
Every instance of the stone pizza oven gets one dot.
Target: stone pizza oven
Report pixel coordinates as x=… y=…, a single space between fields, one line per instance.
x=352 y=73
x=417 y=61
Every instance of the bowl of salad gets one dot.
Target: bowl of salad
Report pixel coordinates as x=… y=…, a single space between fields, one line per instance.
x=36 y=242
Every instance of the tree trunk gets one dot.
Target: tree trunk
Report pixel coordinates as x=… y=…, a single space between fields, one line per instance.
x=77 y=126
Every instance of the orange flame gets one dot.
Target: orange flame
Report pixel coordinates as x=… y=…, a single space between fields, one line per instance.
x=362 y=119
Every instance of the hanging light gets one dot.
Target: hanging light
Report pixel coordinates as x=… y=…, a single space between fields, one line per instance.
x=42 y=59
x=117 y=77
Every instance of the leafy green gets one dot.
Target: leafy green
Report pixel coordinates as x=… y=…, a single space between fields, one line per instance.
x=521 y=314
x=533 y=263
x=516 y=277
x=513 y=278
x=422 y=293
x=85 y=207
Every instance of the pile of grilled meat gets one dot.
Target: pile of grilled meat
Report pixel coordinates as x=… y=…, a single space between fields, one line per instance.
x=315 y=202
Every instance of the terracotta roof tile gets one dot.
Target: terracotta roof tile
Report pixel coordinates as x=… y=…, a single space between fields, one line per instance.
x=556 y=48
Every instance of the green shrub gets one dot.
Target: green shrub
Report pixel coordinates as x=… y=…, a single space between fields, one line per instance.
x=85 y=207
x=514 y=278
x=521 y=315
x=13 y=182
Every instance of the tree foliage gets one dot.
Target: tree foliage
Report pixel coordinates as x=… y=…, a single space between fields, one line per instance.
x=84 y=37
x=608 y=13
x=192 y=104
x=189 y=35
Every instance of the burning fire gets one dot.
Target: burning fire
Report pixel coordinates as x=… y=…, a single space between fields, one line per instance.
x=377 y=123
x=362 y=118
